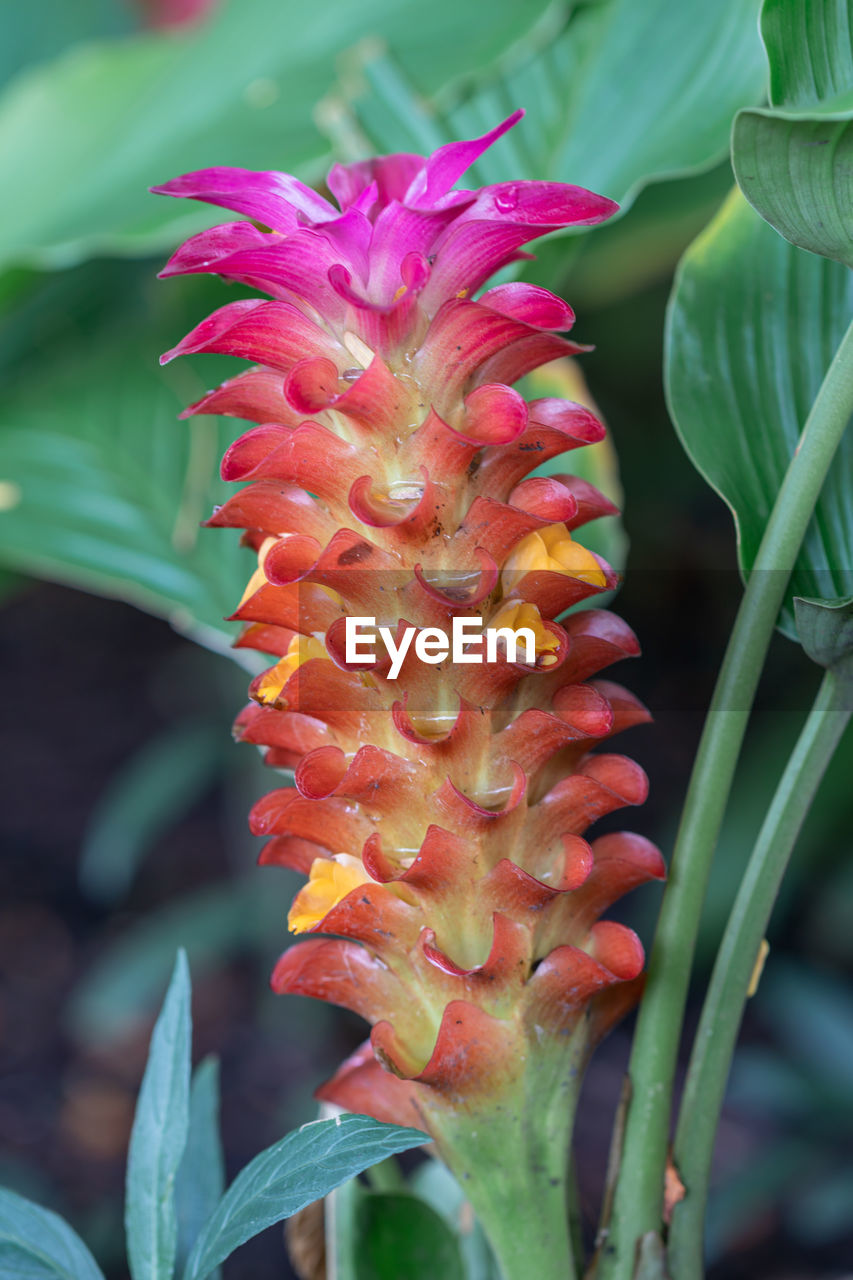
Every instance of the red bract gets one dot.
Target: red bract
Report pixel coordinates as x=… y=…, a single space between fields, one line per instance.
x=439 y=815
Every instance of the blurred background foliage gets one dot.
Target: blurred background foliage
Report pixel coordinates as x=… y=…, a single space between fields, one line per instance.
x=125 y=801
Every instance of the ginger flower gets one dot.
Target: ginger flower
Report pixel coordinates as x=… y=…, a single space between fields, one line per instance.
x=388 y=479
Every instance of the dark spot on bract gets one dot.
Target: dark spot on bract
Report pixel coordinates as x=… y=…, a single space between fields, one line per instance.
x=361 y=551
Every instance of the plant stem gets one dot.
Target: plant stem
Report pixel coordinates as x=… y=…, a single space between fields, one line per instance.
x=638 y=1202
x=575 y=1218
x=509 y=1152
x=385 y=1176
x=727 y=994
x=520 y=1198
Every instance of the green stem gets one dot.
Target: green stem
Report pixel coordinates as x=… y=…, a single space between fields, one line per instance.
x=519 y=1195
x=385 y=1176
x=575 y=1218
x=341 y=1211
x=509 y=1152
x=730 y=981
x=638 y=1203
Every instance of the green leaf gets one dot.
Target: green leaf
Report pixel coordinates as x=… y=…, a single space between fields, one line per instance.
x=84 y=137
x=390 y=1230
x=809 y=47
x=619 y=94
x=201 y=1176
x=399 y=1234
x=107 y=487
x=36 y=1244
x=304 y=1166
x=752 y=327
x=825 y=628
x=797 y=171
x=794 y=162
x=159 y=1137
x=142 y=801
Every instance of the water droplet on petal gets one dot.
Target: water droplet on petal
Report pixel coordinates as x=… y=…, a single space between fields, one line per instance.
x=506 y=200
x=408 y=491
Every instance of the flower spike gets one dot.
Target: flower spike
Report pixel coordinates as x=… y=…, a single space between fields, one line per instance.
x=442 y=789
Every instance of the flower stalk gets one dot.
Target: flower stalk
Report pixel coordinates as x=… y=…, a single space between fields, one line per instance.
x=638 y=1203
x=730 y=984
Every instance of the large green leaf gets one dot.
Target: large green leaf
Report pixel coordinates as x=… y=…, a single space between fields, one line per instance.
x=810 y=49
x=794 y=161
x=36 y=1244
x=797 y=171
x=43 y=28
x=619 y=94
x=752 y=327
x=81 y=139
x=304 y=1166
x=105 y=488
x=159 y=1136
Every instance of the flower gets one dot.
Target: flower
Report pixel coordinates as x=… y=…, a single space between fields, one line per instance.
x=329 y=882
x=517 y=614
x=301 y=649
x=552 y=548
x=389 y=477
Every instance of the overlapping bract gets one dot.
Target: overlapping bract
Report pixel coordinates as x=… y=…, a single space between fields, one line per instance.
x=439 y=816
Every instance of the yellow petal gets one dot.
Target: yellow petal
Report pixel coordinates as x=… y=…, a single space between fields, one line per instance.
x=528 y=555
x=300 y=649
x=552 y=548
x=521 y=613
x=330 y=880
x=572 y=558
